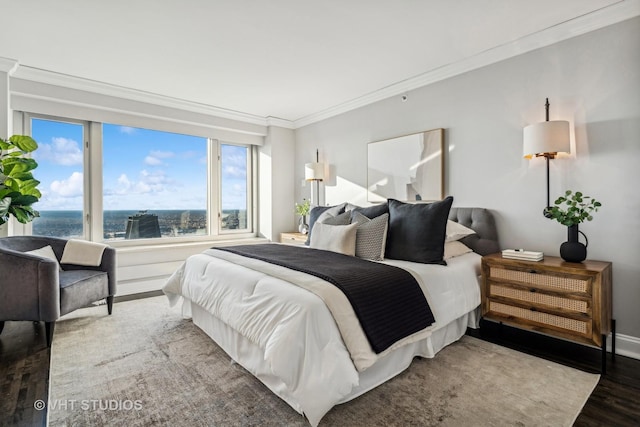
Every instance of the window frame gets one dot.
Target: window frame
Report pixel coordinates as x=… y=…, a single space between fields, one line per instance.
x=249 y=183
x=86 y=186
x=93 y=229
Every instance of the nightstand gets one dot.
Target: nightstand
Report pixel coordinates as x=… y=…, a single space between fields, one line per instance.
x=293 y=238
x=567 y=300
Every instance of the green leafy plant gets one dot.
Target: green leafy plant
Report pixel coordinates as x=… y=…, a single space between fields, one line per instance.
x=18 y=187
x=574 y=208
x=303 y=208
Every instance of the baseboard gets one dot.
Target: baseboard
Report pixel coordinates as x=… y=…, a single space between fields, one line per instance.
x=626 y=345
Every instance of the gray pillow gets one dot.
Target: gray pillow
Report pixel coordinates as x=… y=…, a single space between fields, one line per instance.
x=417 y=231
x=343 y=219
x=321 y=213
x=371 y=236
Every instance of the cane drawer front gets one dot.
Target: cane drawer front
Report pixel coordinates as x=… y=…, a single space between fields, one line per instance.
x=535 y=297
x=541 y=279
x=543 y=297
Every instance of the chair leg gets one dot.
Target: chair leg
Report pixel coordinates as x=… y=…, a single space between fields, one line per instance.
x=49 y=326
x=1 y=326
x=110 y=304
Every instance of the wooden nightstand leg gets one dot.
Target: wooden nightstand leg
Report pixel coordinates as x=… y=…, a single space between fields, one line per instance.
x=603 y=355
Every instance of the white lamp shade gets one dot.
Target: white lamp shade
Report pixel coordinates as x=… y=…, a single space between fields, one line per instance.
x=314 y=171
x=546 y=137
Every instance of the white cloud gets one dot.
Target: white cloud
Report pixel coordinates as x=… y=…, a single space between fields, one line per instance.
x=231 y=171
x=70 y=187
x=128 y=130
x=148 y=182
x=162 y=154
x=153 y=161
x=154 y=158
x=123 y=182
x=61 y=151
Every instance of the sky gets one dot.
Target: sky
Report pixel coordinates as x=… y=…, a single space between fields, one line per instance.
x=142 y=169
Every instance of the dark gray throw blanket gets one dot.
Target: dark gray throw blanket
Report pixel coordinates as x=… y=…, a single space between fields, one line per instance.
x=387 y=300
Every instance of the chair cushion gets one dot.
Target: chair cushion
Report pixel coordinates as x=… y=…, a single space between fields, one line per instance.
x=79 y=288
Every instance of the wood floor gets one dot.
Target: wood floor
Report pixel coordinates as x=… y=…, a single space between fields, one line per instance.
x=24 y=373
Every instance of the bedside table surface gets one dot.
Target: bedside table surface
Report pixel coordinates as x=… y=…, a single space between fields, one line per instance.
x=293 y=237
x=552 y=262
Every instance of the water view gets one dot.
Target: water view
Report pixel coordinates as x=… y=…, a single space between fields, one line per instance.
x=120 y=224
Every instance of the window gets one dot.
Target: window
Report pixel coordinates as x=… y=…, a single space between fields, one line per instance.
x=234 y=186
x=60 y=172
x=154 y=183
x=109 y=182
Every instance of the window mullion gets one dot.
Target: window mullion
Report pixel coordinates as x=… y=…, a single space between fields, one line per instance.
x=93 y=182
x=214 y=187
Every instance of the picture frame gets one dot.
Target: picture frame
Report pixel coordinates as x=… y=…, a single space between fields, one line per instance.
x=406 y=168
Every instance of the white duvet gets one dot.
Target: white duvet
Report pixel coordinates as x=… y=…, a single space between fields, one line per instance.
x=301 y=342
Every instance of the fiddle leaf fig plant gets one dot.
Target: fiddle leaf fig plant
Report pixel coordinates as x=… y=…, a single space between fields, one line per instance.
x=574 y=208
x=18 y=187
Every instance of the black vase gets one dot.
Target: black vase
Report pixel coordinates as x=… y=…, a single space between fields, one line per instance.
x=572 y=250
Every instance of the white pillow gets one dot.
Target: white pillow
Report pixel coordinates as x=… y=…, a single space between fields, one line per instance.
x=457 y=231
x=46 y=252
x=335 y=238
x=454 y=249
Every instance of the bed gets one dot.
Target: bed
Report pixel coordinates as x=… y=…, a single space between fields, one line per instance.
x=264 y=318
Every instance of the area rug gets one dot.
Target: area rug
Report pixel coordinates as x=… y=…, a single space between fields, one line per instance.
x=146 y=365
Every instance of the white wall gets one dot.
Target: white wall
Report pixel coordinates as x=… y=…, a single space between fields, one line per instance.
x=275 y=183
x=592 y=80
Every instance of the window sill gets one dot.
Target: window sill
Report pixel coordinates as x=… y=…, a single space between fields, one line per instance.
x=148 y=246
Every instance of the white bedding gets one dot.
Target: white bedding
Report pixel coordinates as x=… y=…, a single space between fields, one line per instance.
x=296 y=335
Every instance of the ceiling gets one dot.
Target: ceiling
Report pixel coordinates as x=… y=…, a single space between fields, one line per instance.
x=286 y=59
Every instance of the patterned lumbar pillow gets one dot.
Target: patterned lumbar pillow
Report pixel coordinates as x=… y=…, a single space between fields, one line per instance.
x=371 y=237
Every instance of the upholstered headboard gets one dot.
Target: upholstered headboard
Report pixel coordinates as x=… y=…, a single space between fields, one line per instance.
x=481 y=220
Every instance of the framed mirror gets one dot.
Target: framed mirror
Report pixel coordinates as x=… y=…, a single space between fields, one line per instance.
x=406 y=168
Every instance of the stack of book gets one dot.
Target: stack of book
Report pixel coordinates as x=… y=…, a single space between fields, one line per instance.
x=522 y=254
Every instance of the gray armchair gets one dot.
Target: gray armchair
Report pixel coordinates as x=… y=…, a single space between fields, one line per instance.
x=33 y=288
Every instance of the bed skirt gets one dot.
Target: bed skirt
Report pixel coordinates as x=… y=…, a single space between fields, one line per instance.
x=251 y=356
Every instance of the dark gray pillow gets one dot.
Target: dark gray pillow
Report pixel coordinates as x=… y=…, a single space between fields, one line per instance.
x=371 y=212
x=417 y=231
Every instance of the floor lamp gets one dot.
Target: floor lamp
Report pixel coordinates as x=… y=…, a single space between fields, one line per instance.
x=314 y=172
x=547 y=139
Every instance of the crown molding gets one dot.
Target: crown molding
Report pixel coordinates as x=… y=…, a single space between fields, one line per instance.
x=617 y=12
x=8 y=65
x=93 y=86
x=283 y=123
x=72 y=82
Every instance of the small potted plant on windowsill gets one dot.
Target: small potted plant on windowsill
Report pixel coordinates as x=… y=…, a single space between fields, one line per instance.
x=570 y=210
x=18 y=187
x=303 y=210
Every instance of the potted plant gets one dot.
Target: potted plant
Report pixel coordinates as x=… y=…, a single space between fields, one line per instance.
x=18 y=188
x=570 y=210
x=303 y=210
